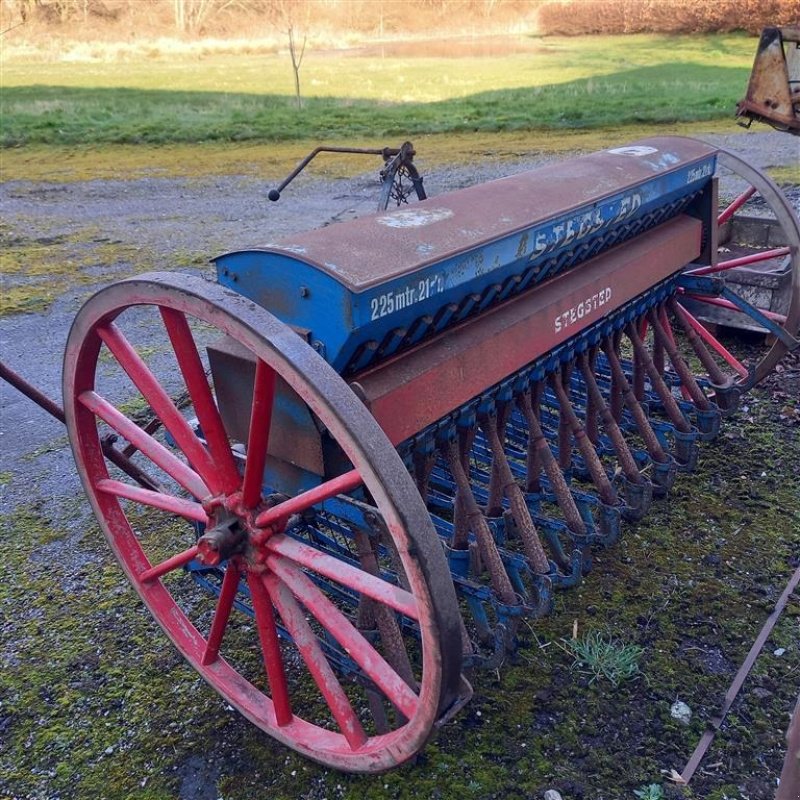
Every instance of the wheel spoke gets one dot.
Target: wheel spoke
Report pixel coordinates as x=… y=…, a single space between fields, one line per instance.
x=736 y=205
x=230 y=585
x=206 y=409
x=742 y=261
x=713 y=342
x=169 y=565
x=359 y=649
x=346 y=574
x=258 y=437
x=147 y=497
x=161 y=403
x=270 y=648
x=282 y=511
x=317 y=664
x=145 y=443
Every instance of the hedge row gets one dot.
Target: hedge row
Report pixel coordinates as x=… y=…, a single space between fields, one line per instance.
x=665 y=16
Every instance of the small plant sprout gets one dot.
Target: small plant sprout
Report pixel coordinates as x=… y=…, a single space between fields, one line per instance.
x=604 y=657
x=651 y=792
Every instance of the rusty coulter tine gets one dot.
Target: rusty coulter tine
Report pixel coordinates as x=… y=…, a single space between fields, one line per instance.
x=670 y=405
x=510 y=488
x=621 y=448
x=570 y=421
x=539 y=453
x=476 y=522
x=679 y=365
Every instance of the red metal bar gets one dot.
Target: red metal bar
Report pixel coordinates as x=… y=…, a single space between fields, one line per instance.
x=325 y=678
x=346 y=574
x=155 y=451
x=722 y=303
x=359 y=649
x=160 y=500
x=270 y=648
x=170 y=564
x=206 y=409
x=230 y=585
x=742 y=261
x=161 y=403
x=339 y=485
x=712 y=341
x=736 y=205
x=258 y=437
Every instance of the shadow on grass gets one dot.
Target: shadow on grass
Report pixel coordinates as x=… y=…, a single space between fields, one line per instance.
x=668 y=93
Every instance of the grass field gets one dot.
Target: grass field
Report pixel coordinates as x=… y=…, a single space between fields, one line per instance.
x=562 y=83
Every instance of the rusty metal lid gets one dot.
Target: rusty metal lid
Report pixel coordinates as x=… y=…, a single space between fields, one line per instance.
x=375 y=249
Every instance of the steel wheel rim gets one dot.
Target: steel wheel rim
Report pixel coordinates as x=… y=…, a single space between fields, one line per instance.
x=382 y=472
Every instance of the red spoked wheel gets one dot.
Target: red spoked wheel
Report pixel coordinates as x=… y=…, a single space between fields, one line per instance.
x=758 y=237
x=388 y=615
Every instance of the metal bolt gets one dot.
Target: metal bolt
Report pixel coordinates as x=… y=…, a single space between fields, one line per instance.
x=304 y=291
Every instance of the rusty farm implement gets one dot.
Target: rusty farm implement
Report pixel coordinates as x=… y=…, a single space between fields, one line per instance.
x=369 y=452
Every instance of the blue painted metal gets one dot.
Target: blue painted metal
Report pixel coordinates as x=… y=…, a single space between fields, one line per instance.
x=367 y=288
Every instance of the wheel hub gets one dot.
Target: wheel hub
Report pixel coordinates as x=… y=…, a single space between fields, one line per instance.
x=227 y=538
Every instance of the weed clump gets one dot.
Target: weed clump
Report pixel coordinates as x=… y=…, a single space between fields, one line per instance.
x=604 y=657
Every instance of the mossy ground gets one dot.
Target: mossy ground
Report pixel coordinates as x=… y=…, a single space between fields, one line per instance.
x=97 y=704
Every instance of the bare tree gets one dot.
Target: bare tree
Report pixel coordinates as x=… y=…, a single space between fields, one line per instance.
x=297 y=60
x=191 y=14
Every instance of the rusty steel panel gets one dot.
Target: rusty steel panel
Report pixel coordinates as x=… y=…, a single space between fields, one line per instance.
x=373 y=250
x=411 y=391
x=773 y=92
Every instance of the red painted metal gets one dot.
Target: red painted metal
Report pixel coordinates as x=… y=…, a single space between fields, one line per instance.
x=270 y=648
x=230 y=585
x=155 y=451
x=147 y=497
x=416 y=388
x=731 y=209
x=723 y=303
x=281 y=512
x=713 y=342
x=359 y=649
x=161 y=403
x=325 y=678
x=309 y=557
x=173 y=563
x=742 y=261
x=258 y=439
x=191 y=367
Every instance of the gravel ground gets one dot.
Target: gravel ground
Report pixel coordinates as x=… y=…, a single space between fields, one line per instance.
x=155 y=221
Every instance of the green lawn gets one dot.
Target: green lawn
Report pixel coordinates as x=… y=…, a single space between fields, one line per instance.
x=581 y=82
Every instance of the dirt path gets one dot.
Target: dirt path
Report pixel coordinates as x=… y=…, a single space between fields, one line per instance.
x=77 y=646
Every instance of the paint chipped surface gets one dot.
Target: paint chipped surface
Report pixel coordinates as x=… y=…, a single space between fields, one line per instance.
x=636 y=150
x=414 y=217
